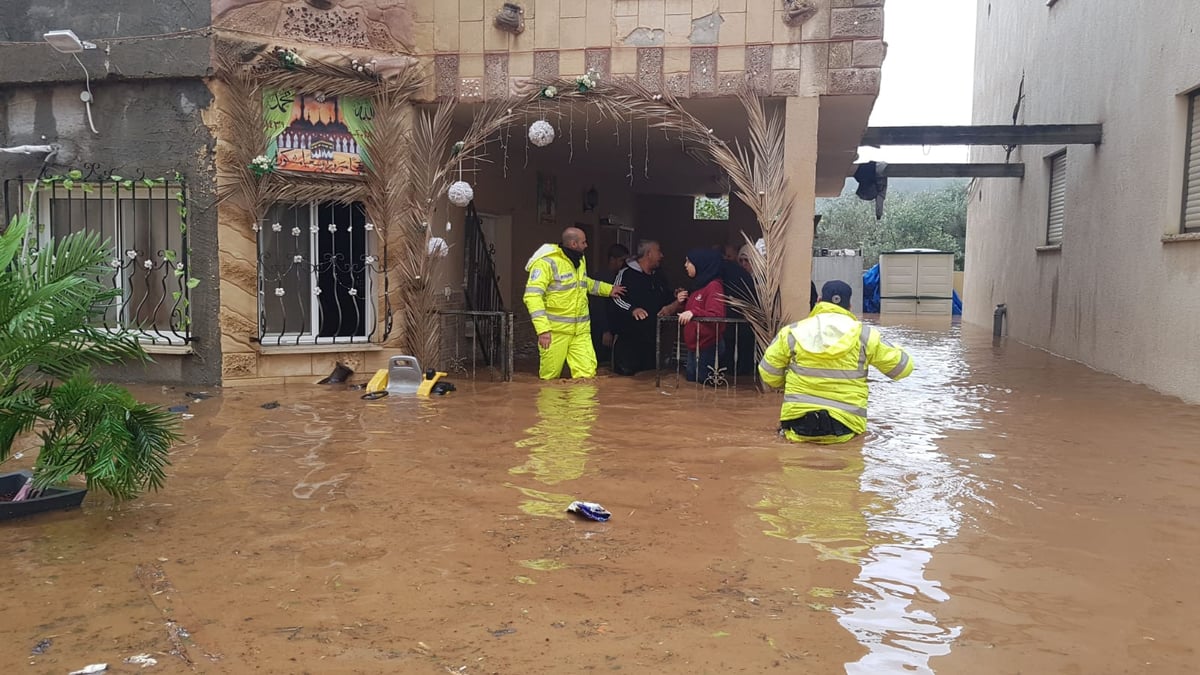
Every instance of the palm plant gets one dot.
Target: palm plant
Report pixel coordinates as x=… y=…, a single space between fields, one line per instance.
x=52 y=301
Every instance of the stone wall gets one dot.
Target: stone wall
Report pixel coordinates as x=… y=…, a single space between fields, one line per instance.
x=690 y=48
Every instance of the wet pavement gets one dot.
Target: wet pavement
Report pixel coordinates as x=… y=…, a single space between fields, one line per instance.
x=1008 y=512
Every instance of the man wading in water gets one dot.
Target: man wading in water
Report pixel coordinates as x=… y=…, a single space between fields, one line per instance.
x=821 y=364
x=556 y=296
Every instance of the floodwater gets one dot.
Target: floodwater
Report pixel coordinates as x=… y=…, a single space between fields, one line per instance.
x=1008 y=512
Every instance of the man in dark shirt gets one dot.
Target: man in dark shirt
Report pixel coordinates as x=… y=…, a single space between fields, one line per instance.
x=602 y=334
x=634 y=317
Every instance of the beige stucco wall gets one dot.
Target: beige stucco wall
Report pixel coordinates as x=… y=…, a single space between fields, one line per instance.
x=1116 y=296
x=687 y=47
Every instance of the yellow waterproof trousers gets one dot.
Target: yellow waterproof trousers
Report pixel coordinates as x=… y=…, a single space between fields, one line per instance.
x=573 y=348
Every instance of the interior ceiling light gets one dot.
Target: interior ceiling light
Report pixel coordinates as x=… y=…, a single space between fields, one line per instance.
x=67 y=42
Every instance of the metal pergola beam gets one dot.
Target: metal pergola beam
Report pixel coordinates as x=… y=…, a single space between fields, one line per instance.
x=1014 y=170
x=1000 y=134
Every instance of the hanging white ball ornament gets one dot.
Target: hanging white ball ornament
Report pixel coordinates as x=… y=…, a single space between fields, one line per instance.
x=438 y=247
x=460 y=193
x=541 y=133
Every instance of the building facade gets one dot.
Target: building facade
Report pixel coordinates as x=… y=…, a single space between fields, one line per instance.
x=232 y=293
x=1096 y=252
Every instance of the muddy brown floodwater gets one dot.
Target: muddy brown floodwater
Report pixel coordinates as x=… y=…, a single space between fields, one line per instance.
x=1008 y=512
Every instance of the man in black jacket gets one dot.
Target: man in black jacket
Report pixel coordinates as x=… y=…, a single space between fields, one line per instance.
x=634 y=316
x=602 y=335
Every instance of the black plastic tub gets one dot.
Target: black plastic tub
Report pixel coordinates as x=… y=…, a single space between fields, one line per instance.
x=51 y=499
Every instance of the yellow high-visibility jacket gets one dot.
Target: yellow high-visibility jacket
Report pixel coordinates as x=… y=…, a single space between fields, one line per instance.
x=821 y=364
x=556 y=293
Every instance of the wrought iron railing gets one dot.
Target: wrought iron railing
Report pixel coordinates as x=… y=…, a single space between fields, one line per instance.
x=732 y=361
x=474 y=340
x=143 y=220
x=320 y=270
x=481 y=283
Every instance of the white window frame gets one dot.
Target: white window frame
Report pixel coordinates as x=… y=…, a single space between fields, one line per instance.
x=1056 y=175
x=136 y=193
x=370 y=298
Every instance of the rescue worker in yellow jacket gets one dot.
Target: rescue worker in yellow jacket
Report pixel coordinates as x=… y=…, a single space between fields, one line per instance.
x=821 y=364
x=556 y=296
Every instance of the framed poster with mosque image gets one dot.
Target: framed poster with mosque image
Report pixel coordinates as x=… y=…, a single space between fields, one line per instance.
x=314 y=133
x=547 y=188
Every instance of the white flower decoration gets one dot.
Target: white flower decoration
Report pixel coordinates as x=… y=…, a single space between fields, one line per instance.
x=316 y=290
x=332 y=227
x=295 y=232
x=179 y=266
x=370 y=260
x=276 y=227
x=298 y=259
x=314 y=229
x=148 y=264
x=131 y=254
x=541 y=133
x=279 y=292
x=438 y=247
x=254 y=227
x=460 y=193
x=353 y=291
x=115 y=263
x=369 y=227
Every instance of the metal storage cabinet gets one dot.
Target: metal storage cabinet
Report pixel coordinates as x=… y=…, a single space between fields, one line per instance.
x=916 y=281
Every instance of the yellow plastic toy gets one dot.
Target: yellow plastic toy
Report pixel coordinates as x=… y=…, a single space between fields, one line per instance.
x=379 y=382
x=432 y=377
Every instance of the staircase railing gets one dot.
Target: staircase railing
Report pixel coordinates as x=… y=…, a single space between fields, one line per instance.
x=481 y=285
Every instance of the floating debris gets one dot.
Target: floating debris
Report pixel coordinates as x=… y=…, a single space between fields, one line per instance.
x=42 y=647
x=589 y=510
x=143 y=660
x=544 y=564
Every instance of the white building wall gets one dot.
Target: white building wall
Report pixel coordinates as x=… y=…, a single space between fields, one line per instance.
x=1116 y=295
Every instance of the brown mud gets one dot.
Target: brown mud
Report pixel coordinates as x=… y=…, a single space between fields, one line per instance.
x=1008 y=512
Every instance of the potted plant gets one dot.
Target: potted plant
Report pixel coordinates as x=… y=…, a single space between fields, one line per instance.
x=52 y=303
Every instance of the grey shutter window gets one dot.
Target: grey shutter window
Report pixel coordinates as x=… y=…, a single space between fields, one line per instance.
x=1191 y=172
x=1058 y=198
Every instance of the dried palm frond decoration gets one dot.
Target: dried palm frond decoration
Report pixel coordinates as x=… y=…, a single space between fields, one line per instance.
x=756 y=172
x=246 y=70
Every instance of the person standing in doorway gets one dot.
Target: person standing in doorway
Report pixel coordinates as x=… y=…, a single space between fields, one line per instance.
x=821 y=365
x=556 y=296
x=706 y=299
x=602 y=330
x=635 y=316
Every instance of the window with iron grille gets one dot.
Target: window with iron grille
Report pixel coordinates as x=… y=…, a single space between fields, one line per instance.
x=318 y=275
x=1056 y=214
x=143 y=223
x=1191 y=171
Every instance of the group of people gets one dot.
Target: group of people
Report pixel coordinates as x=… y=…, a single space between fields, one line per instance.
x=625 y=327
x=820 y=362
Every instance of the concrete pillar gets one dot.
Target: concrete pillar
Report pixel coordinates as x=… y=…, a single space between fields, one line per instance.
x=800 y=158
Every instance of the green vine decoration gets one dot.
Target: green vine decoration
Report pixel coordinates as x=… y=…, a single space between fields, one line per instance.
x=74 y=180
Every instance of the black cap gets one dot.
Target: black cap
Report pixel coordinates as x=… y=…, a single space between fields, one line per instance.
x=836 y=292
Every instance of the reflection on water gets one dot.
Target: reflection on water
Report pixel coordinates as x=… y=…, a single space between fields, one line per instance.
x=817 y=502
x=558 y=445
x=885 y=505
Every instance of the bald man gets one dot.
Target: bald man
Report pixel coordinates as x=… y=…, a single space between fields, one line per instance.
x=556 y=296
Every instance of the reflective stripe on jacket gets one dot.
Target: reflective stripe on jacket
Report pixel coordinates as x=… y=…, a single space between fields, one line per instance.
x=821 y=364
x=556 y=293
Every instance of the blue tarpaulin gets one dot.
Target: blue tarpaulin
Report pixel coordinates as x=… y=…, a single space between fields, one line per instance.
x=871 y=293
x=871 y=290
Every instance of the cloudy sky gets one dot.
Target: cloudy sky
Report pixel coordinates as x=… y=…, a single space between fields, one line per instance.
x=927 y=74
